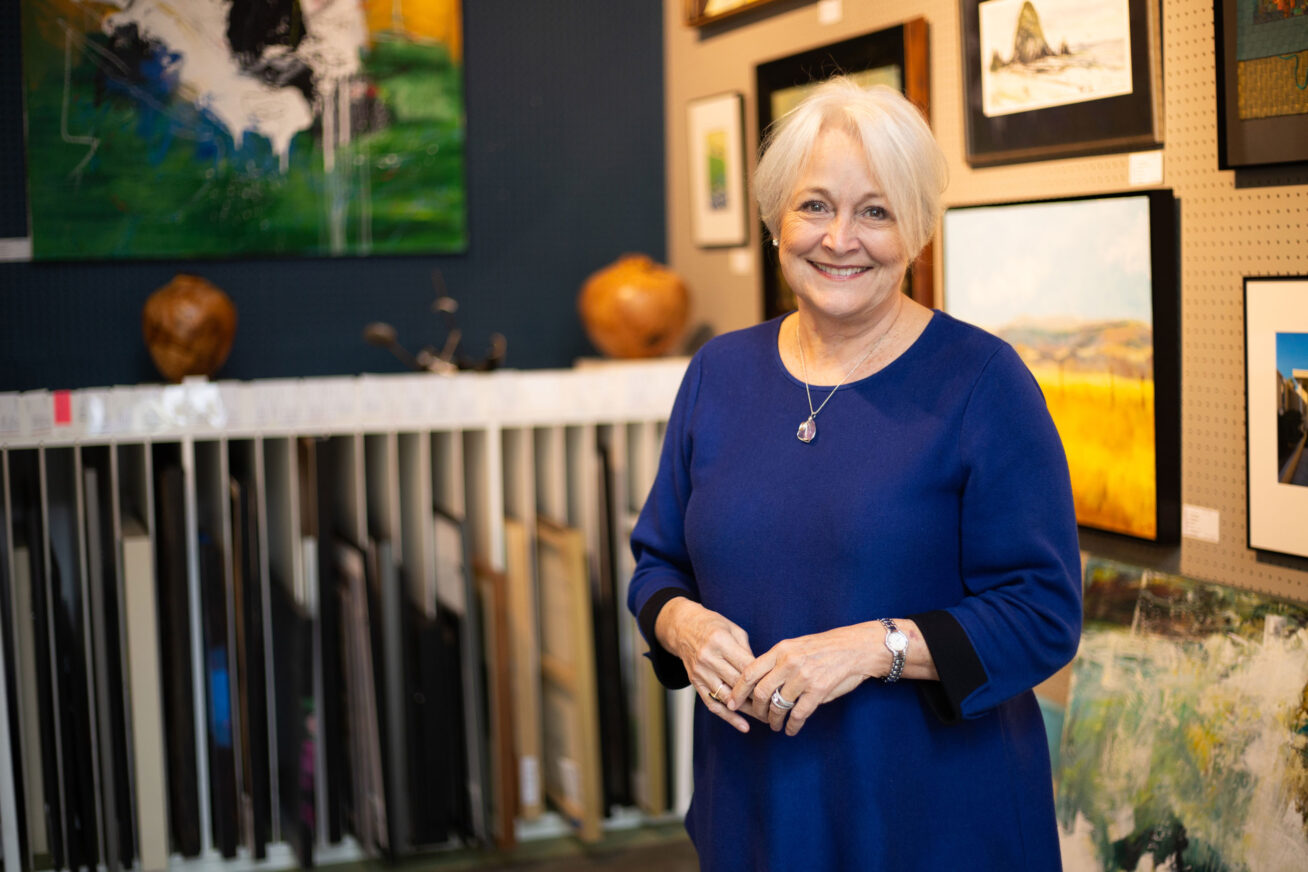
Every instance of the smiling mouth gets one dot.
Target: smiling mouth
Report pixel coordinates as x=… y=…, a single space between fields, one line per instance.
x=839 y=272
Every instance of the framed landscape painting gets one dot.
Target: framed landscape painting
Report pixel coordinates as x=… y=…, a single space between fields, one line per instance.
x=1276 y=418
x=1262 y=82
x=895 y=57
x=1085 y=289
x=159 y=129
x=1183 y=741
x=1056 y=78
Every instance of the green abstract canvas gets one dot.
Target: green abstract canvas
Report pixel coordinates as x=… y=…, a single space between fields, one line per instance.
x=220 y=128
x=1185 y=744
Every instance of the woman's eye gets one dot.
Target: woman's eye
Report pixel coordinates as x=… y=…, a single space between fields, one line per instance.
x=877 y=212
x=812 y=206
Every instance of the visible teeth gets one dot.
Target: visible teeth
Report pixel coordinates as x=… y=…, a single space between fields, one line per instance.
x=841 y=271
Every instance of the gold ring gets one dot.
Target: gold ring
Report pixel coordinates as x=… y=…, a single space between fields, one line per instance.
x=714 y=695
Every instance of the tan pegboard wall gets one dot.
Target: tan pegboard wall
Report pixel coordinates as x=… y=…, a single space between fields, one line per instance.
x=1226 y=233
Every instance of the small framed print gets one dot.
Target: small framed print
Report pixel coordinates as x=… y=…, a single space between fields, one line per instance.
x=1276 y=413
x=717 y=171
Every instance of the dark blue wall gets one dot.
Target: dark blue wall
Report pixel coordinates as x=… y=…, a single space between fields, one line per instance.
x=564 y=174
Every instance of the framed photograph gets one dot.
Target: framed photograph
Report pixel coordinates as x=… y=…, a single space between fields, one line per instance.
x=1262 y=64
x=1058 y=78
x=896 y=57
x=701 y=12
x=715 y=128
x=1276 y=341
x=1085 y=289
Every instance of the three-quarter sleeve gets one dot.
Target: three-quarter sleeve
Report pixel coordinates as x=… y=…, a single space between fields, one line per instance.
x=658 y=542
x=1020 y=620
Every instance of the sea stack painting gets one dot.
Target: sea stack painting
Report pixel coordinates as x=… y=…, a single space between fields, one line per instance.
x=218 y=128
x=1041 y=53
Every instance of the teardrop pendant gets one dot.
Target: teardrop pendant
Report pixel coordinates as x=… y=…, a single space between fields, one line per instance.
x=807 y=430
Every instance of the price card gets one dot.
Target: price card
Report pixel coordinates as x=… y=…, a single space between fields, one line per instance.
x=9 y=414
x=90 y=412
x=37 y=413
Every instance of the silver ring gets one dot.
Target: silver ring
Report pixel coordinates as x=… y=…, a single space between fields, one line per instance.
x=714 y=695
x=781 y=702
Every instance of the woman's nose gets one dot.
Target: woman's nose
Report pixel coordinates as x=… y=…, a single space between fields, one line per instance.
x=839 y=236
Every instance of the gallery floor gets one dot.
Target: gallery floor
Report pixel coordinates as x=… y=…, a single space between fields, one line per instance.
x=646 y=849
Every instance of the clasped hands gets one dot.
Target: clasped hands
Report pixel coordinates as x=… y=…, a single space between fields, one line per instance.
x=807 y=670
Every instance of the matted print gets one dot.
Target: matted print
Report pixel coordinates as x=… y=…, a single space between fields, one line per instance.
x=220 y=128
x=1040 y=53
x=1276 y=415
x=1085 y=290
x=1184 y=740
x=718 y=212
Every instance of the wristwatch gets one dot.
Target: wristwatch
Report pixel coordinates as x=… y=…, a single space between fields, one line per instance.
x=897 y=643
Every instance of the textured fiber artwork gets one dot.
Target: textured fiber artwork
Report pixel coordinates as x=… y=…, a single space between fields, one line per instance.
x=1272 y=58
x=219 y=128
x=1185 y=744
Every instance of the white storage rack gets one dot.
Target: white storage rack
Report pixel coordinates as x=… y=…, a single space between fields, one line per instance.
x=478 y=445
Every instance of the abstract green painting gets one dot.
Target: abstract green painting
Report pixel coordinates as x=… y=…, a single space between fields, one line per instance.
x=222 y=128
x=1185 y=745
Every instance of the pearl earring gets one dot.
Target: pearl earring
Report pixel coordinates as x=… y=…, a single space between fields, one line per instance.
x=776 y=243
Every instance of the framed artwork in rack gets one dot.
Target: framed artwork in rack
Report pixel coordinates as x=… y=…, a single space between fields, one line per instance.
x=1262 y=67
x=701 y=12
x=1276 y=414
x=715 y=128
x=896 y=57
x=1085 y=289
x=1059 y=78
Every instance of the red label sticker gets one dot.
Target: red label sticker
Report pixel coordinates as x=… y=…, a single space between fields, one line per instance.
x=63 y=408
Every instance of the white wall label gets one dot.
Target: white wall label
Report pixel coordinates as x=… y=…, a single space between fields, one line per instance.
x=1145 y=168
x=741 y=261
x=1200 y=523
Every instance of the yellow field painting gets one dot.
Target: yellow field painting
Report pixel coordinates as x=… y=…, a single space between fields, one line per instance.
x=1107 y=425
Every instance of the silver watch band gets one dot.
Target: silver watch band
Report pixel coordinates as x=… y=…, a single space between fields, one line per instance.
x=897 y=644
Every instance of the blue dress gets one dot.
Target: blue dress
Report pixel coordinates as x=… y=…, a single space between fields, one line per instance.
x=937 y=490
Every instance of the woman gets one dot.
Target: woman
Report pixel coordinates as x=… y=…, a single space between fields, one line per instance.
x=860 y=547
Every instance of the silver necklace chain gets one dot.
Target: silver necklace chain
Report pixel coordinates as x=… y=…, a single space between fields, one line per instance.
x=808 y=428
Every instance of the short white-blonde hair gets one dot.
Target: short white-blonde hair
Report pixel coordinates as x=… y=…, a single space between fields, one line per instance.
x=899 y=146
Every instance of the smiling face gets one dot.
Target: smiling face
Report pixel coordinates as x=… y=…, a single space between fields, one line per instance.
x=840 y=247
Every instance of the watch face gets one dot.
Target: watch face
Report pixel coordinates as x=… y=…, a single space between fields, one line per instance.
x=897 y=642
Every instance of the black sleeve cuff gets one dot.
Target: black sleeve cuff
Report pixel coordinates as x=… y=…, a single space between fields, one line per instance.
x=668 y=669
x=959 y=668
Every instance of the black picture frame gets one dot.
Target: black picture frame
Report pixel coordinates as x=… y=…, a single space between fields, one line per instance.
x=1250 y=142
x=1276 y=417
x=976 y=257
x=904 y=46
x=1126 y=122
